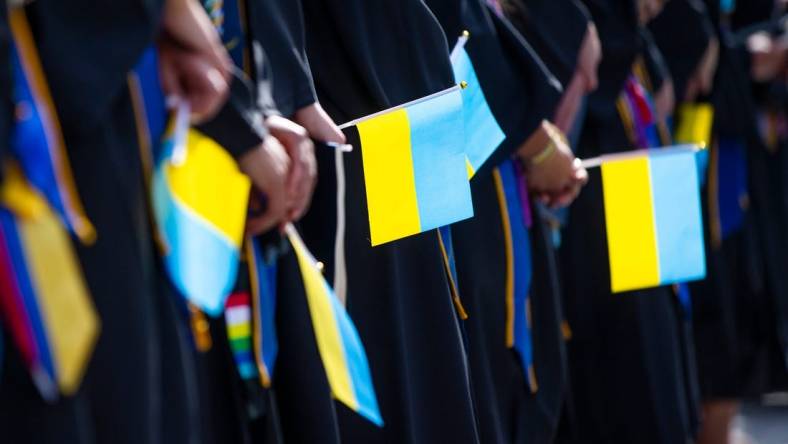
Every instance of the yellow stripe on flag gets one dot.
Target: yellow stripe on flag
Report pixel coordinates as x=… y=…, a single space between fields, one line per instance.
x=629 y=212
x=71 y=322
x=324 y=322
x=209 y=183
x=388 y=172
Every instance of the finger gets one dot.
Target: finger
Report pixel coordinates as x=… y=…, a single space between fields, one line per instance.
x=169 y=81
x=260 y=224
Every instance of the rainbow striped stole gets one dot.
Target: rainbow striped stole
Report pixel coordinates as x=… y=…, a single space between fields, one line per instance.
x=516 y=221
x=238 y=317
x=43 y=298
x=338 y=342
x=36 y=139
x=250 y=319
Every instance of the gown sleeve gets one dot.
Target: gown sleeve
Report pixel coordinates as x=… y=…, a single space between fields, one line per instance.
x=555 y=28
x=617 y=25
x=682 y=46
x=369 y=55
x=655 y=65
x=76 y=37
x=279 y=27
x=238 y=127
x=518 y=86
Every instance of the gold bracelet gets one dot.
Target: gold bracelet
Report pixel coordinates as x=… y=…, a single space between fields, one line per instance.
x=544 y=154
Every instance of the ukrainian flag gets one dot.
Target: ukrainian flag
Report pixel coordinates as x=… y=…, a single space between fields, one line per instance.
x=199 y=201
x=414 y=167
x=482 y=132
x=654 y=222
x=340 y=347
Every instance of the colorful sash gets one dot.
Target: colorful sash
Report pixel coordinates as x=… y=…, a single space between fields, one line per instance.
x=37 y=140
x=515 y=216
x=43 y=298
x=262 y=280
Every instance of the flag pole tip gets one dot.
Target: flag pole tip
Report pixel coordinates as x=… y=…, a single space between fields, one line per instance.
x=463 y=84
x=466 y=34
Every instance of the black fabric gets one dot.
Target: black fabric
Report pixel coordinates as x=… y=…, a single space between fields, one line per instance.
x=616 y=23
x=682 y=45
x=366 y=56
x=555 y=28
x=279 y=26
x=653 y=61
x=75 y=37
x=512 y=75
x=507 y=410
x=25 y=418
x=238 y=126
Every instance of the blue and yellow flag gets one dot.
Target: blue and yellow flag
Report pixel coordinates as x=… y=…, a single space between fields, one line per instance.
x=482 y=132
x=653 y=216
x=338 y=342
x=199 y=201
x=414 y=167
x=43 y=297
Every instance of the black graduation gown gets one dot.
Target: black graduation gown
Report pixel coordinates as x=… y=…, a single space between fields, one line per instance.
x=518 y=89
x=626 y=357
x=367 y=56
x=138 y=383
x=555 y=28
x=684 y=45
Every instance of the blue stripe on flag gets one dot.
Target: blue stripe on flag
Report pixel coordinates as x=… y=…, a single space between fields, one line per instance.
x=202 y=250
x=676 y=194
x=483 y=134
x=356 y=362
x=437 y=145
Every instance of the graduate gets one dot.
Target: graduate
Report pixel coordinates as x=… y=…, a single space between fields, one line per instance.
x=278 y=87
x=626 y=356
x=516 y=402
x=366 y=57
x=303 y=396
